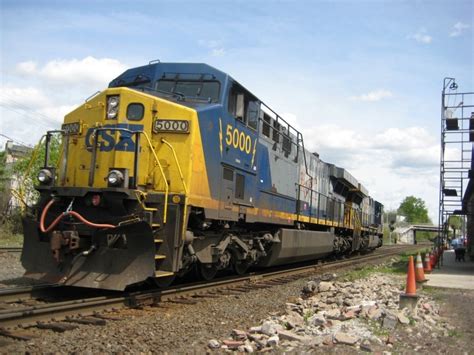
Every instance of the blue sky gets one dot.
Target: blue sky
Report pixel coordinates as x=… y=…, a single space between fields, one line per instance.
x=361 y=79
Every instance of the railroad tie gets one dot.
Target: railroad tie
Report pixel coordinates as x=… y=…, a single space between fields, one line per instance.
x=57 y=327
x=106 y=317
x=241 y=289
x=87 y=320
x=205 y=295
x=183 y=301
x=18 y=335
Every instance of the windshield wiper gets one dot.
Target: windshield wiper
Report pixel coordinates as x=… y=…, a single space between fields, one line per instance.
x=198 y=98
x=179 y=94
x=172 y=94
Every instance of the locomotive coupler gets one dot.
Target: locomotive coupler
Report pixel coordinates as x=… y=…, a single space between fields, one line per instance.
x=63 y=241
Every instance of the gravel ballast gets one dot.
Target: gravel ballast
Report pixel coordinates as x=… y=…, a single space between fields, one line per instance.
x=181 y=328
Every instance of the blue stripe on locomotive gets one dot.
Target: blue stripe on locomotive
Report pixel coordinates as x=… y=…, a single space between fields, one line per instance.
x=258 y=180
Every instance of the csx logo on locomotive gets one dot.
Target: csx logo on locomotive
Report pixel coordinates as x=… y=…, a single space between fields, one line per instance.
x=106 y=138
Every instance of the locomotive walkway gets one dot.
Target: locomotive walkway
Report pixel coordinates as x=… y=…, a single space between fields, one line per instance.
x=453 y=274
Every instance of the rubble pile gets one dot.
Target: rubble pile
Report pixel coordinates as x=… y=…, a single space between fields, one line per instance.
x=362 y=314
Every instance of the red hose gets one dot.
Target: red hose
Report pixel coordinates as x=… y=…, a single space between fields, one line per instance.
x=61 y=216
x=85 y=221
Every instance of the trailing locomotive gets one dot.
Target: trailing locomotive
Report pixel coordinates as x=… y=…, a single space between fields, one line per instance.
x=177 y=168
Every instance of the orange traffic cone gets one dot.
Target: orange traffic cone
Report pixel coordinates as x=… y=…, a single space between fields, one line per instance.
x=433 y=260
x=419 y=273
x=428 y=268
x=411 y=283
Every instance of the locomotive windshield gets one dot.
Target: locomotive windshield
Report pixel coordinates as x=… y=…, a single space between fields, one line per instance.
x=191 y=89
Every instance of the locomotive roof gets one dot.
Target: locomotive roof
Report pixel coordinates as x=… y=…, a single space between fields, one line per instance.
x=156 y=70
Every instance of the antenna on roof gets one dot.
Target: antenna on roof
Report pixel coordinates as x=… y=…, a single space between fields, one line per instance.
x=155 y=61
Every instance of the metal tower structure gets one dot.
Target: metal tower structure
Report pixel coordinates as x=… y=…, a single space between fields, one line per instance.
x=457 y=136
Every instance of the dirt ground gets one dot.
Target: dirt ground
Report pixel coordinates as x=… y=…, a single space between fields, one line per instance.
x=457 y=308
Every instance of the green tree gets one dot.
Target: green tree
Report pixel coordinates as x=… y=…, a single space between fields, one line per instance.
x=455 y=222
x=414 y=209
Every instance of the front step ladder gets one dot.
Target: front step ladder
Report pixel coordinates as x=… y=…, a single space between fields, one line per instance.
x=158 y=261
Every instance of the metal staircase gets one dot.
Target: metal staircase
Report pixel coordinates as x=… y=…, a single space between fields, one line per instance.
x=457 y=137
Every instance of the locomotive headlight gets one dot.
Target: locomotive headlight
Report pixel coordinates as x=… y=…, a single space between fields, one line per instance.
x=45 y=176
x=112 y=107
x=115 y=178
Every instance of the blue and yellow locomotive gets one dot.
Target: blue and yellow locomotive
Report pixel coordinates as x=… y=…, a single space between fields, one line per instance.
x=176 y=168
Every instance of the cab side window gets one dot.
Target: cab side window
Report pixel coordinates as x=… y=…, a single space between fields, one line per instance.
x=266 y=124
x=243 y=106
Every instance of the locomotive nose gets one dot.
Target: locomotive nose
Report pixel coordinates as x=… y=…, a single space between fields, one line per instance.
x=112 y=260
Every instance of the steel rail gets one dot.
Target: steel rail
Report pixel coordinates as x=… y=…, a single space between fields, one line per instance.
x=14 y=294
x=31 y=315
x=255 y=277
x=11 y=249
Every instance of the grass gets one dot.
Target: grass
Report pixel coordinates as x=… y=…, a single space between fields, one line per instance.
x=454 y=334
x=377 y=328
x=359 y=273
x=399 y=267
x=307 y=315
x=434 y=292
x=10 y=239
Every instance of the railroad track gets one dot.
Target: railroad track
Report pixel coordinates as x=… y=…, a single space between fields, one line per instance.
x=68 y=314
x=10 y=249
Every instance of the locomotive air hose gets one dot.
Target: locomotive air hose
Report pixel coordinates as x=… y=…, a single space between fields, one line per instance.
x=64 y=214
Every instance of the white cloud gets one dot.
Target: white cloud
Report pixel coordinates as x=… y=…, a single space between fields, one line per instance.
x=458 y=29
x=54 y=89
x=218 y=52
x=28 y=112
x=406 y=138
x=212 y=43
x=372 y=96
x=421 y=36
x=26 y=68
x=87 y=71
x=215 y=46
x=392 y=163
x=17 y=97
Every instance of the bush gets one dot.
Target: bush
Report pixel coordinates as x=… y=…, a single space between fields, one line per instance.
x=11 y=230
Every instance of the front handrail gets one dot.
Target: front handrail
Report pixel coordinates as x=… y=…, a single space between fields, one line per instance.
x=150 y=145
x=164 y=141
x=135 y=162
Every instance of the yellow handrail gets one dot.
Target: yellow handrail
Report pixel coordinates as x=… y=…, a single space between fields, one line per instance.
x=177 y=164
x=18 y=195
x=165 y=210
x=185 y=210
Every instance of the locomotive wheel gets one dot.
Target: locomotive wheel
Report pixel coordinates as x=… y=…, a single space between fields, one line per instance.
x=240 y=267
x=207 y=271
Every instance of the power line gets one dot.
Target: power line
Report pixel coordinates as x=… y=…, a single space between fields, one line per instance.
x=24 y=107
x=15 y=141
x=29 y=117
